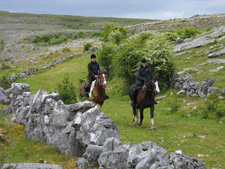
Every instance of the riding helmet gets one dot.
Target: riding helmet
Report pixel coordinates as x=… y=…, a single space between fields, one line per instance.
x=143 y=61
x=93 y=56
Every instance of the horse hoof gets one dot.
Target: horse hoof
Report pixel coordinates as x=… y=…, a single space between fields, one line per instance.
x=153 y=128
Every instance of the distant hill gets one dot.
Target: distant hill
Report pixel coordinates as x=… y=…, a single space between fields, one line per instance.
x=65 y=21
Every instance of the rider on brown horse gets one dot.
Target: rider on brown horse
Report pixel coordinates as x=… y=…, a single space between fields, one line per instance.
x=143 y=73
x=93 y=68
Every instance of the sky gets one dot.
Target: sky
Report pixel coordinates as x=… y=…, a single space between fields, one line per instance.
x=147 y=9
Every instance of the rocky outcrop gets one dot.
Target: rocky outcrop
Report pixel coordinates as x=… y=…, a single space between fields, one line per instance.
x=217 y=54
x=202 y=40
x=4 y=98
x=190 y=87
x=80 y=129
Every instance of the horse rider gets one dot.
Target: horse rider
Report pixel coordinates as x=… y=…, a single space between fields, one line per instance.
x=93 y=68
x=142 y=74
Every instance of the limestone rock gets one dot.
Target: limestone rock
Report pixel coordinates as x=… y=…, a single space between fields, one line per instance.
x=184 y=161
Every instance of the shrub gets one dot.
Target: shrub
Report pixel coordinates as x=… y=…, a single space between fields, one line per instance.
x=66 y=49
x=5 y=82
x=188 y=32
x=112 y=33
x=67 y=91
x=96 y=34
x=171 y=36
x=4 y=66
x=80 y=34
x=55 y=41
x=87 y=46
x=105 y=56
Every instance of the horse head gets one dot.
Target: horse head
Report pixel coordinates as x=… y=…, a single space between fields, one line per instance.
x=102 y=79
x=152 y=83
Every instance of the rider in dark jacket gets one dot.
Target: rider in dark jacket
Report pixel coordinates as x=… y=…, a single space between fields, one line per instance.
x=93 y=68
x=143 y=73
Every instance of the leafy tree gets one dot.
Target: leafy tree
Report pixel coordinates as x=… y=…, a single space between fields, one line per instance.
x=106 y=54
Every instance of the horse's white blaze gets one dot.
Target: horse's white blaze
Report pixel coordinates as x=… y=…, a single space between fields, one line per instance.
x=157 y=87
x=92 y=87
x=105 y=83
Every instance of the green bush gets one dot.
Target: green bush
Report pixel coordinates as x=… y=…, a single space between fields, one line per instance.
x=66 y=49
x=87 y=46
x=5 y=82
x=67 y=91
x=188 y=32
x=55 y=41
x=171 y=36
x=4 y=66
x=105 y=56
x=81 y=34
x=112 y=33
x=96 y=34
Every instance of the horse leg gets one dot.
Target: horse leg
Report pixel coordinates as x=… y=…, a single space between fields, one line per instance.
x=141 y=116
x=153 y=127
x=135 y=115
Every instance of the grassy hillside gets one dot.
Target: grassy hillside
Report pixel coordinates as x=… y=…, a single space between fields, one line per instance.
x=184 y=129
x=63 y=21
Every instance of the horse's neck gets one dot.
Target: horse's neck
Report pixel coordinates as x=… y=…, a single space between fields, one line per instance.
x=147 y=93
x=98 y=87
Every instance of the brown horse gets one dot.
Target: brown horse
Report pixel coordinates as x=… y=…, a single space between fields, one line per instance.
x=97 y=91
x=146 y=98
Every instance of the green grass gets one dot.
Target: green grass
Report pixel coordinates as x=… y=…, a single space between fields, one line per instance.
x=29 y=151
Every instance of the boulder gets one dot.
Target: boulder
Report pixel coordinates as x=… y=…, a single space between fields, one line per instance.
x=111 y=144
x=31 y=166
x=115 y=159
x=16 y=90
x=177 y=160
x=146 y=155
x=92 y=154
x=93 y=127
x=4 y=98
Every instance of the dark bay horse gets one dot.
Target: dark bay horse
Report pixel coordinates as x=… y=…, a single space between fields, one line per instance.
x=97 y=91
x=145 y=99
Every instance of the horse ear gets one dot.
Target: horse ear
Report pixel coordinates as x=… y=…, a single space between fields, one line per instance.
x=104 y=71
